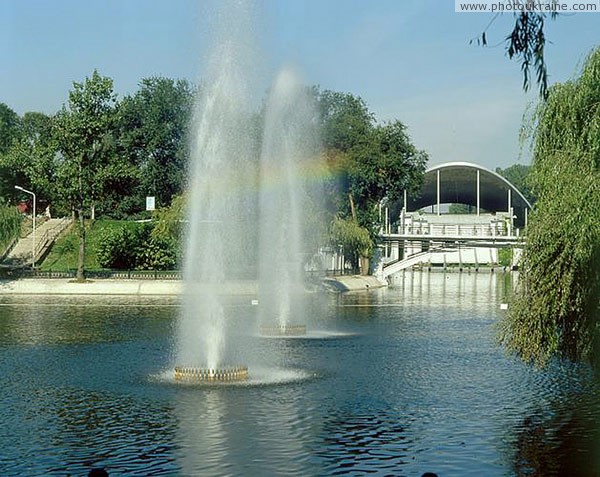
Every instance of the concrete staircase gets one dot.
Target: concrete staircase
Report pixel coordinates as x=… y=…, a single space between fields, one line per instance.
x=415 y=259
x=45 y=235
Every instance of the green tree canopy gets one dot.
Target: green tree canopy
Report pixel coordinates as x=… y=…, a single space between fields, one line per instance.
x=30 y=160
x=355 y=241
x=557 y=308
x=85 y=134
x=345 y=120
x=10 y=131
x=371 y=162
x=519 y=176
x=154 y=126
x=10 y=127
x=10 y=226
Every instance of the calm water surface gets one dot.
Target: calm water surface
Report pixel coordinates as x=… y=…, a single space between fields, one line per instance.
x=417 y=385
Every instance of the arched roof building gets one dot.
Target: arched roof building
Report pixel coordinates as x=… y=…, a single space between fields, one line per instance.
x=470 y=184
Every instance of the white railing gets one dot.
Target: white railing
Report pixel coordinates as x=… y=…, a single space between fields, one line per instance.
x=49 y=236
x=425 y=229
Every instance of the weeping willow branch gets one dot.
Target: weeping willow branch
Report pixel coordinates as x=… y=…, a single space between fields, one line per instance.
x=556 y=312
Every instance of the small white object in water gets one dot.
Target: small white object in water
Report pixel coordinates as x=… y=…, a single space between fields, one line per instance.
x=504 y=306
x=254 y=302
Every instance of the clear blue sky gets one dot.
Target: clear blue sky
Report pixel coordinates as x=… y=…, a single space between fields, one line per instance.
x=408 y=59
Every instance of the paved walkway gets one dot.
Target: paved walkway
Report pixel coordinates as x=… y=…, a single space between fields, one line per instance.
x=36 y=286
x=45 y=235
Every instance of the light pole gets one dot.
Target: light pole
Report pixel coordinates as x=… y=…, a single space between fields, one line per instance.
x=33 y=233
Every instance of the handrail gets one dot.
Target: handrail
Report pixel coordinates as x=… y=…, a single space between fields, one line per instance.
x=9 y=248
x=397 y=265
x=115 y=274
x=455 y=230
x=49 y=236
x=98 y=274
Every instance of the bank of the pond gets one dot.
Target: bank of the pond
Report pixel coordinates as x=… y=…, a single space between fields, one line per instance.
x=353 y=283
x=38 y=286
x=132 y=287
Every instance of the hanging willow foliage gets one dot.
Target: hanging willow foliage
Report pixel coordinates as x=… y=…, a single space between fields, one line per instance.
x=556 y=311
x=10 y=226
x=356 y=242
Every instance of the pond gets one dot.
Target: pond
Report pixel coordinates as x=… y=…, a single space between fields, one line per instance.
x=414 y=382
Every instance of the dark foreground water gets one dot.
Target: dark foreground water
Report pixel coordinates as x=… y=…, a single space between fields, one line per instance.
x=419 y=385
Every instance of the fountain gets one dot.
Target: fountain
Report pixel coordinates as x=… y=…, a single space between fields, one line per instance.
x=242 y=195
x=287 y=149
x=204 y=375
x=222 y=206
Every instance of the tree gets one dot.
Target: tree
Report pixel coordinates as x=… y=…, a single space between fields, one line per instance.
x=153 y=126
x=31 y=160
x=10 y=226
x=168 y=227
x=460 y=209
x=135 y=247
x=345 y=119
x=519 y=176
x=556 y=311
x=355 y=241
x=526 y=43
x=383 y=166
x=170 y=220
x=10 y=127
x=10 y=131
x=85 y=136
x=370 y=162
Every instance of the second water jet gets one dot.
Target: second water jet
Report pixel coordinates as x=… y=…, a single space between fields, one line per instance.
x=289 y=144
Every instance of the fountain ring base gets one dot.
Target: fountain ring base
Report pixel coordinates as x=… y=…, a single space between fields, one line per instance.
x=226 y=374
x=283 y=330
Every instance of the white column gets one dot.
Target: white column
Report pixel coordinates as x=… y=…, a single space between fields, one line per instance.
x=509 y=199
x=387 y=221
x=438 y=192
x=512 y=220
x=478 y=194
x=402 y=219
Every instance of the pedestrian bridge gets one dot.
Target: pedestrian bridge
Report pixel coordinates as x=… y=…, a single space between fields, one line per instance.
x=424 y=229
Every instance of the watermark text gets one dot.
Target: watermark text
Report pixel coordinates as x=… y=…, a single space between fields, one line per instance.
x=532 y=6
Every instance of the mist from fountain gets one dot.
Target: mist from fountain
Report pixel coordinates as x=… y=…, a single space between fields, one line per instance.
x=220 y=241
x=246 y=204
x=288 y=146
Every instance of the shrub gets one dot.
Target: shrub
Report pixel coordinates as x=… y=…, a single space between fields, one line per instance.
x=128 y=248
x=118 y=247
x=10 y=226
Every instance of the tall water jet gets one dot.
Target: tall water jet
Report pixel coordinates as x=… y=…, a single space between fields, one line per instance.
x=288 y=150
x=222 y=206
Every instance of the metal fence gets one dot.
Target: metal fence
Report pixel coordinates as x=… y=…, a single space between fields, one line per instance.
x=98 y=274
x=14 y=273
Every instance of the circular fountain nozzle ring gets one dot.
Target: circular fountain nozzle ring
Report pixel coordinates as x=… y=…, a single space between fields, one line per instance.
x=283 y=330
x=192 y=374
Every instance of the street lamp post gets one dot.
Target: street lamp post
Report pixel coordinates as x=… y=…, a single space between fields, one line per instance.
x=33 y=233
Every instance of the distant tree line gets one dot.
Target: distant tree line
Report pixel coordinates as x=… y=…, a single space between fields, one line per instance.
x=109 y=153
x=519 y=175
x=101 y=156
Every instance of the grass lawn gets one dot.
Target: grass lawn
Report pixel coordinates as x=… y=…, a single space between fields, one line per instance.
x=65 y=252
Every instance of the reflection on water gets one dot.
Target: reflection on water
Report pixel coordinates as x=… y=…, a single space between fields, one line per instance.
x=68 y=431
x=43 y=320
x=228 y=432
x=413 y=382
x=561 y=439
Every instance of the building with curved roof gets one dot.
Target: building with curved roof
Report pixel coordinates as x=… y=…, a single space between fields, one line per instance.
x=425 y=230
x=469 y=184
